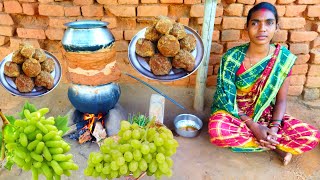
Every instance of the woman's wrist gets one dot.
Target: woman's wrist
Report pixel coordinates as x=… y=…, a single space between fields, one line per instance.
x=245 y=118
x=241 y=113
x=242 y=116
x=250 y=123
x=275 y=124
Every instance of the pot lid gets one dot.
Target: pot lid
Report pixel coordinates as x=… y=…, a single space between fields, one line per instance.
x=85 y=24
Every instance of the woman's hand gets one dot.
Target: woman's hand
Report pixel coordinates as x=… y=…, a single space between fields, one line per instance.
x=272 y=136
x=274 y=129
x=265 y=136
x=259 y=132
x=271 y=141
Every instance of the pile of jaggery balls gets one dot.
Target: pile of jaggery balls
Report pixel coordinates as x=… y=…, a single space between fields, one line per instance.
x=30 y=67
x=168 y=45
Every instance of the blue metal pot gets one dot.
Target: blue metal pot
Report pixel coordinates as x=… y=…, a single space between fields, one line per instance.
x=87 y=35
x=94 y=99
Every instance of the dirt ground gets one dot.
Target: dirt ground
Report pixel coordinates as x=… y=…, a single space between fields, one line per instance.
x=196 y=158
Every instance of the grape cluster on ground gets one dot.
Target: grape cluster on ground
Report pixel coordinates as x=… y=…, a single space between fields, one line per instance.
x=37 y=145
x=138 y=149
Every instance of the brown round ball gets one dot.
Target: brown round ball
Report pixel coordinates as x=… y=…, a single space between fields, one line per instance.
x=17 y=57
x=31 y=67
x=178 y=31
x=44 y=79
x=145 y=48
x=184 y=60
x=39 y=55
x=11 y=69
x=22 y=44
x=47 y=65
x=168 y=45
x=27 y=50
x=188 y=43
x=152 y=34
x=24 y=83
x=160 y=65
x=164 y=26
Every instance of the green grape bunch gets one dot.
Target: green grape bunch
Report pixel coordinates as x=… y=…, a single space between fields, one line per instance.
x=139 y=149
x=37 y=145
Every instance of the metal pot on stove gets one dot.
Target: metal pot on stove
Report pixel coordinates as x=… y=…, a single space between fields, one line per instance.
x=83 y=39
x=94 y=99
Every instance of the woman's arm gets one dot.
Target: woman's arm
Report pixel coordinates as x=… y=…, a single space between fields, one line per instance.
x=281 y=103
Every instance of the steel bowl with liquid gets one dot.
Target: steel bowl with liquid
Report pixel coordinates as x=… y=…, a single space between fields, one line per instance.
x=187 y=125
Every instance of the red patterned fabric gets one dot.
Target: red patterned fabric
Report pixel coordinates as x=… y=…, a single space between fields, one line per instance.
x=296 y=136
x=249 y=100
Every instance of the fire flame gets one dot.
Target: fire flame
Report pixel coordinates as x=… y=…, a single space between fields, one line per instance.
x=91 y=118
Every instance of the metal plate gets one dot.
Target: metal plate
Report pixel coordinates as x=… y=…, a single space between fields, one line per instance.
x=142 y=66
x=9 y=85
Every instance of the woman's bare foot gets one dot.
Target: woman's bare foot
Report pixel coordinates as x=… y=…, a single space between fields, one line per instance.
x=285 y=156
x=287 y=159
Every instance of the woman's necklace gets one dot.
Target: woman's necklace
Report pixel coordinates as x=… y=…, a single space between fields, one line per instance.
x=250 y=58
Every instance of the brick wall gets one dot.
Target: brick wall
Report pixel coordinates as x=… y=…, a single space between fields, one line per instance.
x=40 y=22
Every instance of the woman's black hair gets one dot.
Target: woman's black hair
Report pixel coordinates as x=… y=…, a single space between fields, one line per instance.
x=262 y=5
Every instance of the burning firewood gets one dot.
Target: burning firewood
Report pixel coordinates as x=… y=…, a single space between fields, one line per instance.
x=89 y=128
x=85 y=136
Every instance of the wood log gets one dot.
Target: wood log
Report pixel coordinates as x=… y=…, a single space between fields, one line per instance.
x=207 y=31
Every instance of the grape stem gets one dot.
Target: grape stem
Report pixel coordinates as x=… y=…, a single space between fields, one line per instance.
x=153 y=120
x=4 y=123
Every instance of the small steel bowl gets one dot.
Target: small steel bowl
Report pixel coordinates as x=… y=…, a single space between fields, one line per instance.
x=187 y=121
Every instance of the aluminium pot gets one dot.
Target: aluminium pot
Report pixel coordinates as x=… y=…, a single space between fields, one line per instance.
x=94 y=99
x=87 y=36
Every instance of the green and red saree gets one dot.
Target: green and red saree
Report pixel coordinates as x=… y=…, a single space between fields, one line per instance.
x=254 y=92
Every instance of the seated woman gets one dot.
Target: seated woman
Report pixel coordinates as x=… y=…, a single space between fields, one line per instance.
x=248 y=110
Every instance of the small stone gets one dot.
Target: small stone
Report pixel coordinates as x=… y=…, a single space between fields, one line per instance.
x=311 y=94
x=99 y=132
x=113 y=119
